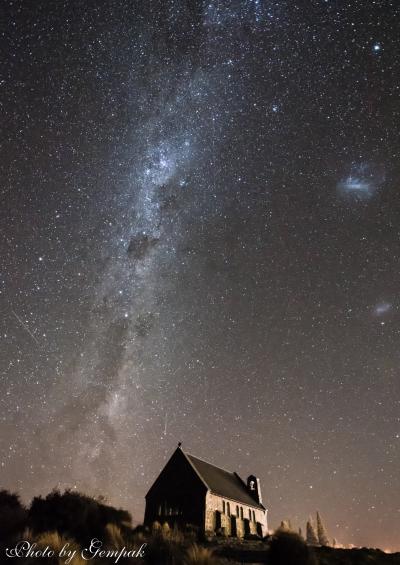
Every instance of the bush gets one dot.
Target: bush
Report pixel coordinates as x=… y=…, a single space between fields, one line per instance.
x=74 y=515
x=13 y=516
x=288 y=548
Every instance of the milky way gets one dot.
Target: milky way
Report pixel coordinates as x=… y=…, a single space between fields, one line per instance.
x=200 y=215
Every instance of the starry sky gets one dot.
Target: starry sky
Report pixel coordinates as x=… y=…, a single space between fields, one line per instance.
x=200 y=242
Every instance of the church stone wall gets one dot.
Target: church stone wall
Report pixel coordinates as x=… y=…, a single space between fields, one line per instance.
x=214 y=505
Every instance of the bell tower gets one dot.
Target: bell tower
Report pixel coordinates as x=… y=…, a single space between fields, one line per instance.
x=253 y=486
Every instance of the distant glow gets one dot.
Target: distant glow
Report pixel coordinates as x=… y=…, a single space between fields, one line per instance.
x=382 y=308
x=356 y=187
x=356 y=184
x=362 y=182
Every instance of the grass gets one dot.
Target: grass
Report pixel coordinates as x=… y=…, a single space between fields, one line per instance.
x=57 y=542
x=198 y=555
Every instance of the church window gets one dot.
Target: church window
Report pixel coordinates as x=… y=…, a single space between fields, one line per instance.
x=249 y=514
x=254 y=516
x=237 y=511
x=241 y=512
x=228 y=508
x=223 y=507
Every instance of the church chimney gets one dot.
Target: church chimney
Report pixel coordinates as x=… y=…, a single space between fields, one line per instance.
x=253 y=486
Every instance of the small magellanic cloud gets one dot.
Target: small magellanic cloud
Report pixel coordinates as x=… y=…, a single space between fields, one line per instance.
x=382 y=308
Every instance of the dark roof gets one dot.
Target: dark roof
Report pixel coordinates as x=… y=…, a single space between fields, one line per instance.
x=222 y=482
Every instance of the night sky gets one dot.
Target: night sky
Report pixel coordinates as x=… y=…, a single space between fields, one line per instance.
x=200 y=228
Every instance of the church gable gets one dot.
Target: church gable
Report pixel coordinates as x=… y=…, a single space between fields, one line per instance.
x=178 y=473
x=177 y=495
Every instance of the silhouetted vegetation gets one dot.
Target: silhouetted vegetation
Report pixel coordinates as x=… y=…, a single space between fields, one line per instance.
x=13 y=516
x=74 y=515
x=288 y=548
x=75 y=519
x=356 y=556
x=323 y=538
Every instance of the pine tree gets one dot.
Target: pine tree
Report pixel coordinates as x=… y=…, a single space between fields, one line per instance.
x=322 y=533
x=311 y=534
x=285 y=526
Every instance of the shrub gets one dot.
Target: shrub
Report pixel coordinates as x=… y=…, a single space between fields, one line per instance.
x=13 y=516
x=74 y=515
x=288 y=548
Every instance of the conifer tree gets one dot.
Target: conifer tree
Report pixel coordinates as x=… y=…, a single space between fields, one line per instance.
x=285 y=526
x=311 y=534
x=322 y=533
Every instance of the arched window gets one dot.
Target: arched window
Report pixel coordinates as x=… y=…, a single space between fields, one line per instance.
x=254 y=516
x=228 y=508
x=223 y=507
x=237 y=511
x=241 y=512
x=249 y=514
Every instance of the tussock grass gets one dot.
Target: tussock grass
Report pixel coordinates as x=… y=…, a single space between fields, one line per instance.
x=114 y=536
x=57 y=542
x=198 y=555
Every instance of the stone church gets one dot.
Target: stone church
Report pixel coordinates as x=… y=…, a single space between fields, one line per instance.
x=192 y=491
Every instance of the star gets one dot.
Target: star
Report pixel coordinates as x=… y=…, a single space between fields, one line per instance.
x=200 y=213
